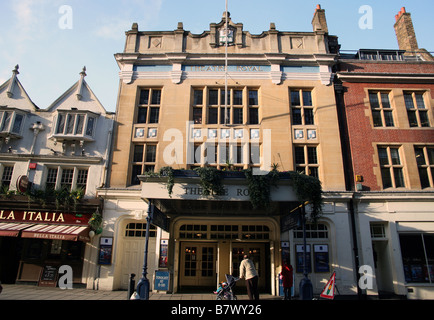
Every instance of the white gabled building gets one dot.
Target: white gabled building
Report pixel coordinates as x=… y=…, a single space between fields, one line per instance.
x=43 y=151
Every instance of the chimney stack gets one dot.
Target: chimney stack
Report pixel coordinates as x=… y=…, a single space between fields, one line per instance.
x=319 y=22
x=405 y=32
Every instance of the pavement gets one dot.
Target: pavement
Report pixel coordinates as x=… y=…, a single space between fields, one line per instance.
x=31 y=292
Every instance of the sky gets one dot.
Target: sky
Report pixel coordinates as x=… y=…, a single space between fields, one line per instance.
x=51 y=40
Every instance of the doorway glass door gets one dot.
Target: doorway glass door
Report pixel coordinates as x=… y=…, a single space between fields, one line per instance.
x=198 y=264
x=256 y=252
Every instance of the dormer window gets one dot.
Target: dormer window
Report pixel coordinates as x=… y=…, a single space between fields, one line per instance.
x=75 y=124
x=11 y=123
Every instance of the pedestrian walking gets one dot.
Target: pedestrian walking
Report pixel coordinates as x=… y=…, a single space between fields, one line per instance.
x=249 y=273
x=287 y=279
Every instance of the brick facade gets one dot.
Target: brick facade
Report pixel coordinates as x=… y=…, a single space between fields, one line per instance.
x=363 y=137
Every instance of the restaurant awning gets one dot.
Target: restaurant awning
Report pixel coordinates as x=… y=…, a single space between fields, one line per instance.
x=13 y=229
x=57 y=232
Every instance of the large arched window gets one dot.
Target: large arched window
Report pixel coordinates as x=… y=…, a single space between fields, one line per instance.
x=313 y=231
x=138 y=230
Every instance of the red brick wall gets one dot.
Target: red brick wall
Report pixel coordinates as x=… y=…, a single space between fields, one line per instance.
x=387 y=67
x=362 y=134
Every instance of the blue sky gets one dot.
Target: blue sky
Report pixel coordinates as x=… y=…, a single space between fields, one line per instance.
x=52 y=49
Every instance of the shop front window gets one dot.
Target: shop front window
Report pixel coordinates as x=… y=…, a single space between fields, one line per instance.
x=417 y=252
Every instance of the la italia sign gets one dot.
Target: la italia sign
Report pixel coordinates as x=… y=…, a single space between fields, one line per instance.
x=43 y=217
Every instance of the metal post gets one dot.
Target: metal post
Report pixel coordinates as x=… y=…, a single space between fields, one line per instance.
x=306 y=288
x=143 y=284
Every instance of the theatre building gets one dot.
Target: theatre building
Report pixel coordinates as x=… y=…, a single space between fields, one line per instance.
x=179 y=106
x=51 y=162
x=386 y=98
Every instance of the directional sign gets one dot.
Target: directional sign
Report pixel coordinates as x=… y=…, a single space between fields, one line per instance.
x=159 y=219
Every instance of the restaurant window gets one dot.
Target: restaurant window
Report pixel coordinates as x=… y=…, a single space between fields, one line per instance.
x=425 y=165
x=144 y=158
x=82 y=179
x=302 y=107
x=7 y=177
x=416 y=109
x=381 y=109
x=66 y=178
x=149 y=106
x=50 y=183
x=391 y=166
x=417 y=252
x=306 y=160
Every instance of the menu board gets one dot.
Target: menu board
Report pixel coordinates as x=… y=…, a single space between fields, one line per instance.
x=48 y=277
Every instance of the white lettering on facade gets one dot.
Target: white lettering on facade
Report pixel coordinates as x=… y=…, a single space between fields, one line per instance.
x=238 y=192
x=33 y=216
x=210 y=68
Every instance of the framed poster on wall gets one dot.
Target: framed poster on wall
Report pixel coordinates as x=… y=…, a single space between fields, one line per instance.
x=162 y=262
x=321 y=257
x=105 y=250
x=299 y=265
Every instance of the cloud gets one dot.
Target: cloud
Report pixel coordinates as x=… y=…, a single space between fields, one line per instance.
x=114 y=23
x=112 y=28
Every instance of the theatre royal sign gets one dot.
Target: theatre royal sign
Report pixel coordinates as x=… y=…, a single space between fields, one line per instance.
x=192 y=191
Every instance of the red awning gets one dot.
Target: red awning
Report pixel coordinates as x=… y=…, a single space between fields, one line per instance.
x=59 y=232
x=13 y=229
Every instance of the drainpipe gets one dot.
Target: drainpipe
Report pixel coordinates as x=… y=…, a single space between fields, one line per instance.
x=355 y=245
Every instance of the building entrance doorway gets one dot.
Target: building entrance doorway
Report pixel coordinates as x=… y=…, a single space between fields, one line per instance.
x=256 y=252
x=198 y=264
x=209 y=250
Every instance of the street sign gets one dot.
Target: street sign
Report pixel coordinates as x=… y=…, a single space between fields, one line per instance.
x=161 y=280
x=289 y=222
x=159 y=219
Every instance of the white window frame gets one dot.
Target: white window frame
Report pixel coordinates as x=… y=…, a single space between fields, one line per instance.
x=8 y=129
x=75 y=114
x=74 y=176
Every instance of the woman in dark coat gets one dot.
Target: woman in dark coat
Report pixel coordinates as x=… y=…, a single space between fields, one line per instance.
x=287 y=277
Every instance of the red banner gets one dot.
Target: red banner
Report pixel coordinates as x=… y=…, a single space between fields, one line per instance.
x=46 y=217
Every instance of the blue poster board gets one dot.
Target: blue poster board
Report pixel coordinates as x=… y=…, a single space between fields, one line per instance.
x=161 y=282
